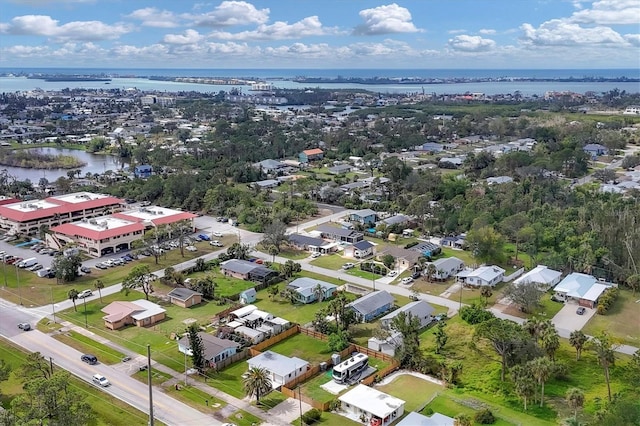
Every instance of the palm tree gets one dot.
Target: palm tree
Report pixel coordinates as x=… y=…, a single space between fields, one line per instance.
x=550 y=341
x=604 y=351
x=431 y=271
x=462 y=420
x=318 y=291
x=273 y=251
x=541 y=370
x=578 y=339
x=575 y=398
x=256 y=382
x=99 y=285
x=73 y=296
x=485 y=293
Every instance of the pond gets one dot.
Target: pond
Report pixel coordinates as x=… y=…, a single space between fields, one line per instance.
x=95 y=163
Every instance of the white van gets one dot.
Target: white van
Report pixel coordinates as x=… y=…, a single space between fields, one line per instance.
x=27 y=263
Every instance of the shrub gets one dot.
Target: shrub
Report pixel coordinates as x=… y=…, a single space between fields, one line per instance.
x=475 y=314
x=607 y=300
x=311 y=416
x=484 y=417
x=428 y=411
x=408 y=246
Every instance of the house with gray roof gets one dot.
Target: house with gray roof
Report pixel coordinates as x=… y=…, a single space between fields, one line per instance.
x=365 y=217
x=245 y=270
x=184 y=297
x=582 y=288
x=396 y=220
x=340 y=234
x=483 y=276
x=310 y=244
x=595 y=150
x=305 y=289
x=269 y=165
x=372 y=305
x=340 y=169
x=215 y=348
x=541 y=276
x=418 y=309
x=361 y=249
x=282 y=369
x=447 y=267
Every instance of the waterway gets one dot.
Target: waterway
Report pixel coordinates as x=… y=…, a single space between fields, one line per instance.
x=95 y=163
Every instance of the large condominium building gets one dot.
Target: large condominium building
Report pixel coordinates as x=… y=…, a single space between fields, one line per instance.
x=154 y=216
x=27 y=217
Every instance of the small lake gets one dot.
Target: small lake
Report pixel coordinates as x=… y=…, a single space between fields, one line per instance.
x=95 y=163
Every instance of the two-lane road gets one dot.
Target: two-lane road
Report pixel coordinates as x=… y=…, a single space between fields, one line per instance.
x=123 y=387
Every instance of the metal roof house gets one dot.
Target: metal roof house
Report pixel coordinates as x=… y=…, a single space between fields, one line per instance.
x=541 y=275
x=372 y=305
x=482 y=276
x=447 y=267
x=417 y=419
x=364 y=216
x=583 y=288
x=396 y=220
x=305 y=289
x=418 y=309
x=282 y=369
x=377 y=407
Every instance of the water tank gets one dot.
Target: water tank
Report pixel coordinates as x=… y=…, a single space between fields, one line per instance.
x=323 y=366
x=335 y=359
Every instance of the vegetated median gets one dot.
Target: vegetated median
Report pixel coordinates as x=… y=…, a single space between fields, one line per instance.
x=37 y=160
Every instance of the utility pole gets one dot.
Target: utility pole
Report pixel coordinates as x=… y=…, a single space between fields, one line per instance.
x=51 y=365
x=84 y=299
x=150 y=386
x=53 y=305
x=4 y=269
x=185 y=366
x=19 y=289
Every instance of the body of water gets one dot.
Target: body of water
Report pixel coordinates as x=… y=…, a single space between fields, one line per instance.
x=281 y=78
x=95 y=163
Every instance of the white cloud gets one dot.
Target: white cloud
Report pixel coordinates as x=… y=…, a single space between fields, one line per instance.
x=44 y=2
x=230 y=13
x=189 y=37
x=461 y=31
x=387 y=19
x=310 y=26
x=152 y=17
x=130 y=52
x=633 y=39
x=486 y=31
x=558 y=32
x=25 y=51
x=609 y=12
x=42 y=25
x=467 y=43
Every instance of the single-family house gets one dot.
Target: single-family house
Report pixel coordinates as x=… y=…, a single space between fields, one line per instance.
x=340 y=234
x=497 y=180
x=388 y=345
x=456 y=241
x=307 y=290
x=397 y=219
x=311 y=244
x=405 y=258
x=447 y=267
x=282 y=369
x=309 y=155
x=417 y=419
x=377 y=408
x=270 y=166
x=143 y=171
x=542 y=276
x=340 y=169
x=372 y=305
x=366 y=217
x=427 y=249
x=141 y=313
x=184 y=297
x=361 y=249
x=215 y=349
x=418 y=309
x=450 y=162
x=248 y=296
x=595 y=150
x=431 y=147
x=482 y=276
x=266 y=184
x=582 y=288
x=237 y=268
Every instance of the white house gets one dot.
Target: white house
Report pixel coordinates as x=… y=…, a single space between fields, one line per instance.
x=447 y=267
x=541 y=275
x=583 y=288
x=376 y=407
x=418 y=309
x=482 y=276
x=388 y=345
x=215 y=349
x=282 y=369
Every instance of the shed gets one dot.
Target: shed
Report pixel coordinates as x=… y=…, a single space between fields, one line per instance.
x=248 y=296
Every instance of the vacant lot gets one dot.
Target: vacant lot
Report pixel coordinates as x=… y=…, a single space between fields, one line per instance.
x=305 y=347
x=622 y=321
x=415 y=391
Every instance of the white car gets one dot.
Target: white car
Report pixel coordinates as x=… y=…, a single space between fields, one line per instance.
x=316 y=255
x=392 y=274
x=85 y=293
x=407 y=280
x=215 y=243
x=217 y=234
x=100 y=380
x=348 y=266
x=191 y=248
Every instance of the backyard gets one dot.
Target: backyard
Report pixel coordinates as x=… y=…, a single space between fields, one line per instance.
x=622 y=320
x=415 y=391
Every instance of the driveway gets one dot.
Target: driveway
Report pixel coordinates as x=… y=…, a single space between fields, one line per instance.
x=568 y=320
x=289 y=410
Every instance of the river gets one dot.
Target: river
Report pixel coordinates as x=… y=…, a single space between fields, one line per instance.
x=95 y=163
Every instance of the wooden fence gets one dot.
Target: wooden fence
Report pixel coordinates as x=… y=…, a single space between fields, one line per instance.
x=275 y=339
x=322 y=406
x=220 y=365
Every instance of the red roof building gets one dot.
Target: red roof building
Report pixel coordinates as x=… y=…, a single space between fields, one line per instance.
x=153 y=216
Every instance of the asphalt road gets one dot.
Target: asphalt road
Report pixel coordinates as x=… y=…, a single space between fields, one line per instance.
x=123 y=387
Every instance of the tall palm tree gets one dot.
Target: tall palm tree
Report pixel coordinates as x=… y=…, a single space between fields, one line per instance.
x=541 y=370
x=431 y=271
x=603 y=347
x=73 y=296
x=99 y=285
x=578 y=339
x=550 y=341
x=256 y=382
x=575 y=398
x=318 y=291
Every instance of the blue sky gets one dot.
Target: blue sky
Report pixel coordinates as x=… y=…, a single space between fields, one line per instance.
x=320 y=34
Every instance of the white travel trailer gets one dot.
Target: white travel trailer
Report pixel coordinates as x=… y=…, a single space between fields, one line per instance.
x=351 y=368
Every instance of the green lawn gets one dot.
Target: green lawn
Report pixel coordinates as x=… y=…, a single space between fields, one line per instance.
x=332 y=419
x=356 y=272
x=82 y=343
x=305 y=347
x=300 y=314
x=622 y=320
x=229 y=380
x=157 y=377
x=107 y=410
x=311 y=388
x=292 y=254
x=416 y=392
x=242 y=418
x=225 y=286
x=330 y=261
x=196 y=398
x=444 y=404
x=268 y=402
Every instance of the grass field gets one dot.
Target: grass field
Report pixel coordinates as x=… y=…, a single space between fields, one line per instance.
x=415 y=391
x=85 y=344
x=330 y=261
x=196 y=398
x=108 y=410
x=302 y=346
x=300 y=314
x=622 y=321
x=229 y=380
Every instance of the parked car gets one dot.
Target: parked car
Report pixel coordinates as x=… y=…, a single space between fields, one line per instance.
x=118 y=262
x=440 y=317
x=348 y=266
x=204 y=237
x=191 y=248
x=101 y=265
x=35 y=267
x=25 y=326
x=89 y=359
x=100 y=380
x=416 y=275
x=85 y=269
x=581 y=310
x=217 y=234
x=407 y=280
x=216 y=243
x=85 y=293
x=316 y=255
x=392 y=274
